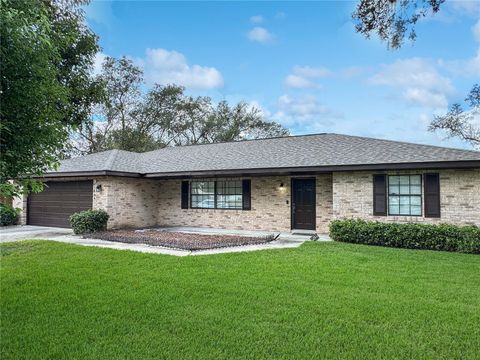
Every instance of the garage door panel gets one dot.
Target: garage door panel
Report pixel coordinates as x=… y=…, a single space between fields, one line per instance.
x=59 y=200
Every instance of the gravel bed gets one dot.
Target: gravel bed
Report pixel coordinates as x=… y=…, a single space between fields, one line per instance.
x=178 y=240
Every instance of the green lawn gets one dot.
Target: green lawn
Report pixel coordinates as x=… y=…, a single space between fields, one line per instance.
x=322 y=300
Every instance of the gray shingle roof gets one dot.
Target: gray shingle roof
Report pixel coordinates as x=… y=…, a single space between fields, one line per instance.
x=321 y=150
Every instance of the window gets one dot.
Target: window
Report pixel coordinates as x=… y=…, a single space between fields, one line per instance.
x=405 y=195
x=224 y=194
x=229 y=194
x=203 y=194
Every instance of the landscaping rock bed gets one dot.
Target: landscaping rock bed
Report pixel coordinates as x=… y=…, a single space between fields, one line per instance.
x=178 y=240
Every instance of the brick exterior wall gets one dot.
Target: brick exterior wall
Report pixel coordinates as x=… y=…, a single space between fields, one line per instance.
x=130 y=202
x=134 y=202
x=21 y=203
x=459 y=197
x=270 y=207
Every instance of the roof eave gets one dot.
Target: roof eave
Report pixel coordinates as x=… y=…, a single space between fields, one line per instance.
x=320 y=169
x=58 y=174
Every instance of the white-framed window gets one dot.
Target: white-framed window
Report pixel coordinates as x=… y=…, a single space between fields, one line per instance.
x=405 y=195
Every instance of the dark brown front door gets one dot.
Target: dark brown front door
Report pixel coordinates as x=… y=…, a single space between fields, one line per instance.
x=303 y=204
x=60 y=199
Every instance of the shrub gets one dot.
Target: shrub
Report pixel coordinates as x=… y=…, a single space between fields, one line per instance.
x=8 y=215
x=444 y=237
x=89 y=221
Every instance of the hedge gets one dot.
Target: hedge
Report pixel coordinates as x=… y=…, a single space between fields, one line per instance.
x=8 y=215
x=89 y=221
x=445 y=237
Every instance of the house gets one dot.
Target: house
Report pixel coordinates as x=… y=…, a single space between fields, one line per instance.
x=296 y=182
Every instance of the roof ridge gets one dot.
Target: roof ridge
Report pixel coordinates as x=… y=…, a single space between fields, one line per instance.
x=408 y=143
x=111 y=158
x=241 y=141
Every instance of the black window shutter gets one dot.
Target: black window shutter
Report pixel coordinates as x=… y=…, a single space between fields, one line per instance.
x=184 y=194
x=432 y=195
x=247 y=197
x=379 y=194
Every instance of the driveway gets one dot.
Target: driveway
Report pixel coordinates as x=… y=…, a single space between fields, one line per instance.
x=23 y=232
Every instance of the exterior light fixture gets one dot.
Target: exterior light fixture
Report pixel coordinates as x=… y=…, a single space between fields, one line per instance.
x=281 y=185
x=98 y=188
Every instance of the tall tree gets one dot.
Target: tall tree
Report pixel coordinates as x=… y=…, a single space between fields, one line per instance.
x=46 y=90
x=461 y=123
x=163 y=116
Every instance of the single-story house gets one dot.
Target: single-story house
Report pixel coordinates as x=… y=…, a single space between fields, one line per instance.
x=280 y=184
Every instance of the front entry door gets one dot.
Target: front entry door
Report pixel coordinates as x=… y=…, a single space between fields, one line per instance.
x=303 y=204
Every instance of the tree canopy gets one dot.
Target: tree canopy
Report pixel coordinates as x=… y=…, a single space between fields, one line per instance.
x=164 y=115
x=47 y=54
x=391 y=20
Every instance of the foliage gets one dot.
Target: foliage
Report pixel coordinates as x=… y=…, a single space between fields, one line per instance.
x=162 y=116
x=8 y=215
x=391 y=20
x=46 y=55
x=459 y=122
x=89 y=221
x=411 y=236
x=322 y=300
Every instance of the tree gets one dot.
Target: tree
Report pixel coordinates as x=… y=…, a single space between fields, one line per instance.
x=461 y=123
x=46 y=90
x=391 y=20
x=162 y=116
x=116 y=111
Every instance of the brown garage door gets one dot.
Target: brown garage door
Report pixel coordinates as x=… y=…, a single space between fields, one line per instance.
x=59 y=200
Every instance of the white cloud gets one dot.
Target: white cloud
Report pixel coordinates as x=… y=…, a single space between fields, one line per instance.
x=419 y=81
x=260 y=34
x=300 y=78
x=469 y=7
x=256 y=19
x=303 y=111
x=311 y=72
x=476 y=30
x=298 y=82
x=171 y=67
x=466 y=67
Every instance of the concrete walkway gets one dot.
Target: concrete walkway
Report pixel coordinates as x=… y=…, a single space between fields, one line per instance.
x=285 y=240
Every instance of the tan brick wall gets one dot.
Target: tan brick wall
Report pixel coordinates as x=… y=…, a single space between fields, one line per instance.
x=21 y=203
x=130 y=202
x=270 y=210
x=459 y=197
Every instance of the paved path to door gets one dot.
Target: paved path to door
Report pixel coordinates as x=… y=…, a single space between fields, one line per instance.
x=24 y=232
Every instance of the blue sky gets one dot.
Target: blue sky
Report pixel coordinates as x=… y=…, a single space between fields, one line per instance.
x=301 y=62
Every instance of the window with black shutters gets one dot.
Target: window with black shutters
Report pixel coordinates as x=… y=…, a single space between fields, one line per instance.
x=405 y=195
x=220 y=194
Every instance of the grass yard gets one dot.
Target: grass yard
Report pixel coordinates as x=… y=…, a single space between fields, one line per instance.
x=322 y=300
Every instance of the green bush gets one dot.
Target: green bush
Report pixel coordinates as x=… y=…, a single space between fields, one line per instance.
x=444 y=237
x=89 y=221
x=8 y=215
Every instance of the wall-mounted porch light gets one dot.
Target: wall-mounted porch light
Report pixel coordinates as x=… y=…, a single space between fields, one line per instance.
x=98 y=188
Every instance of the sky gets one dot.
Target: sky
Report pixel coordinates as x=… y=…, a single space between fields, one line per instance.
x=301 y=63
